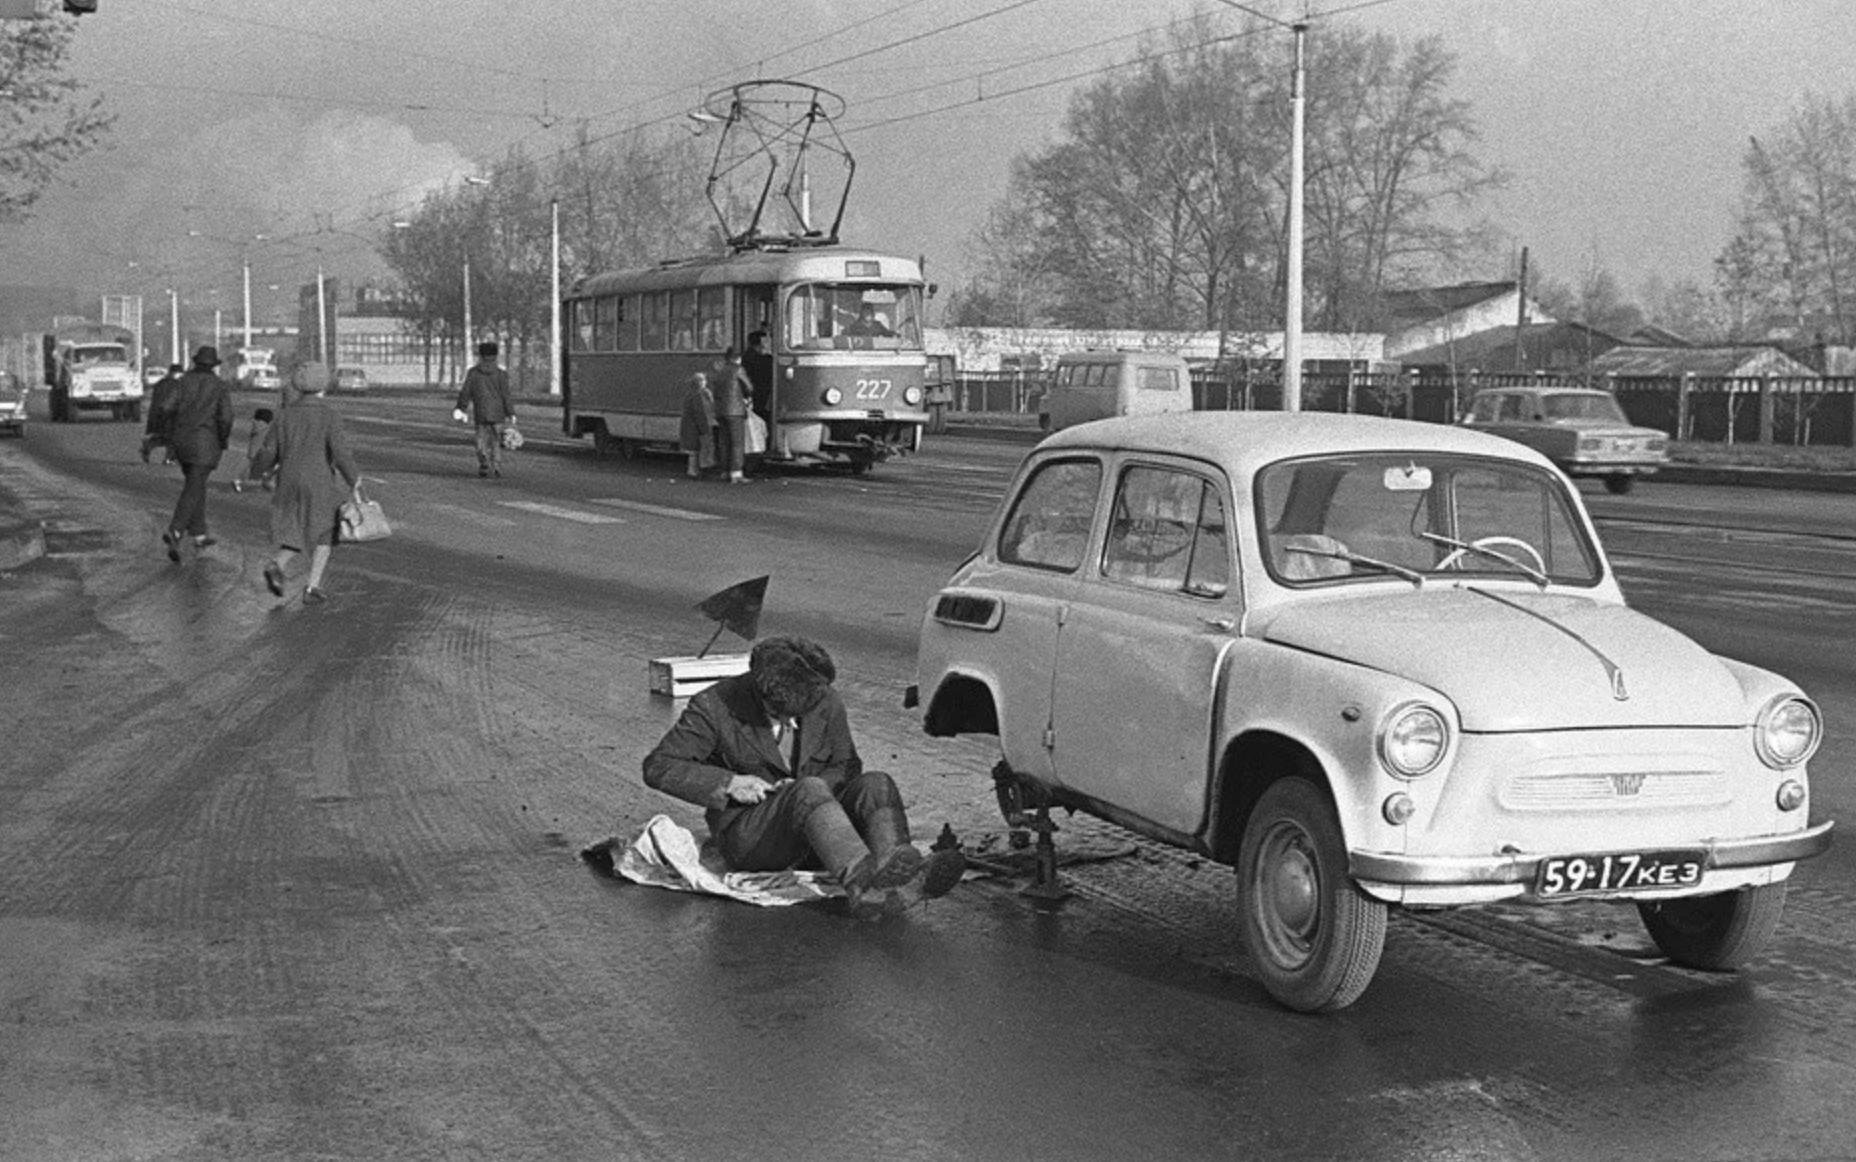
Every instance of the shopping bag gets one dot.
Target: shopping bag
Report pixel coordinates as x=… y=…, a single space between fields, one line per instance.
x=363 y=519
x=754 y=442
x=512 y=437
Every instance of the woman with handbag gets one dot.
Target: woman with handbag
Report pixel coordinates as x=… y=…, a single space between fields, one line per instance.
x=307 y=446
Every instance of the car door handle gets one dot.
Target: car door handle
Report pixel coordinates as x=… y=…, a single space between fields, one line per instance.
x=1220 y=624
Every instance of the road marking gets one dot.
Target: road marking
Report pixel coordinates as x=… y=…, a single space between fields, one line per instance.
x=654 y=509
x=475 y=517
x=574 y=514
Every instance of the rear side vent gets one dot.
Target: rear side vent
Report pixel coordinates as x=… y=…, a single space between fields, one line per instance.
x=967 y=610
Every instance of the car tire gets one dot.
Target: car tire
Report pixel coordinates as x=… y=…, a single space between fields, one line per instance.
x=1315 y=938
x=1717 y=933
x=1620 y=483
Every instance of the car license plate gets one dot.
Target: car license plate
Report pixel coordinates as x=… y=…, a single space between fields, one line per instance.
x=1631 y=871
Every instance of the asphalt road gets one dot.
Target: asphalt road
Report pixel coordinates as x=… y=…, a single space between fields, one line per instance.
x=290 y=881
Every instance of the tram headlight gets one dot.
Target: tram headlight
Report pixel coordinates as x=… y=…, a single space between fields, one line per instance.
x=832 y=397
x=912 y=397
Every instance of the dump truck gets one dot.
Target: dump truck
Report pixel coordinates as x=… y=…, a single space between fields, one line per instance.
x=90 y=366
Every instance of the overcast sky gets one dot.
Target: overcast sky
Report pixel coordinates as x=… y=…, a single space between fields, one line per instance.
x=1622 y=122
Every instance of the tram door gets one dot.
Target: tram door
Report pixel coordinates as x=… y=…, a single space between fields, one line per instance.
x=755 y=311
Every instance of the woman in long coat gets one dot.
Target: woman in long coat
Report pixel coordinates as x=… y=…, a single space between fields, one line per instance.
x=696 y=432
x=308 y=447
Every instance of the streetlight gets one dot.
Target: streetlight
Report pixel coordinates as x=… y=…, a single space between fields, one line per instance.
x=554 y=297
x=469 y=180
x=244 y=255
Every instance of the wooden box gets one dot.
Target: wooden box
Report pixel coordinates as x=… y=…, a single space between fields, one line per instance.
x=681 y=677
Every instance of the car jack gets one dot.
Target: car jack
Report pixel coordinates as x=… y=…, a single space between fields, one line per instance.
x=1046 y=886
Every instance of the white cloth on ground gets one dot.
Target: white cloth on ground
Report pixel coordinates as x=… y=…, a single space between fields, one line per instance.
x=666 y=855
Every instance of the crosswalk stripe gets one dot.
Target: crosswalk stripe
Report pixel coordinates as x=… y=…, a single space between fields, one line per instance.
x=653 y=509
x=573 y=514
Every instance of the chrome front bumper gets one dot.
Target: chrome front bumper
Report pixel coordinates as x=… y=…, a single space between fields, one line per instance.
x=1381 y=867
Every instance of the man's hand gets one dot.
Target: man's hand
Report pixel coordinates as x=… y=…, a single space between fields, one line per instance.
x=746 y=789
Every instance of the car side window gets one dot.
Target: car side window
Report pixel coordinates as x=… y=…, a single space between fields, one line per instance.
x=1048 y=526
x=1514 y=407
x=1168 y=531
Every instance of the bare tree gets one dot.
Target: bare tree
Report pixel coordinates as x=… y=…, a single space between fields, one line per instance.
x=48 y=121
x=1796 y=243
x=1164 y=204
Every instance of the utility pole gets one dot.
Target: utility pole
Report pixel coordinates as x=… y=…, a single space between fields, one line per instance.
x=1292 y=313
x=1520 y=316
x=554 y=298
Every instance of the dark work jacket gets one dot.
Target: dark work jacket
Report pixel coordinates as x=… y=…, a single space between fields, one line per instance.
x=161 y=406
x=485 y=395
x=724 y=732
x=200 y=423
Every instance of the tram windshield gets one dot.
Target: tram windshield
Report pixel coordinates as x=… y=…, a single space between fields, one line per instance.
x=860 y=316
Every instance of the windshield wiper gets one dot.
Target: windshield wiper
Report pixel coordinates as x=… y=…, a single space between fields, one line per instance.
x=1518 y=566
x=1352 y=558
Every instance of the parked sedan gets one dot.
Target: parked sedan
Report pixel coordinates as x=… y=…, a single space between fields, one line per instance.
x=1583 y=431
x=351 y=379
x=1367 y=663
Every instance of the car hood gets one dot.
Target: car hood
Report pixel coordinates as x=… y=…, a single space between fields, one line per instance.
x=1511 y=660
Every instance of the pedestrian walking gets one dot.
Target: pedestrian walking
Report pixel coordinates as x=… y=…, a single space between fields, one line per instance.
x=309 y=450
x=733 y=389
x=154 y=432
x=696 y=431
x=199 y=425
x=769 y=755
x=485 y=397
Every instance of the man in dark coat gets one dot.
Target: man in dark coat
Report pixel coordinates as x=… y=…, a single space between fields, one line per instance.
x=769 y=755
x=154 y=434
x=485 y=395
x=198 y=424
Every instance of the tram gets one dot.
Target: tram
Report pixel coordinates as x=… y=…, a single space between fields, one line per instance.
x=841 y=380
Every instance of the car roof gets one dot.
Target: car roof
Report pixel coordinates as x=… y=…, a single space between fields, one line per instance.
x=1245 y=441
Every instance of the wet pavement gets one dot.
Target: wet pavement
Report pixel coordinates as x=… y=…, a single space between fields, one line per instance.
x=290 y=881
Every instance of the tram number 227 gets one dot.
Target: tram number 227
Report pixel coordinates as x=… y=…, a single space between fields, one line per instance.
x=872 y=389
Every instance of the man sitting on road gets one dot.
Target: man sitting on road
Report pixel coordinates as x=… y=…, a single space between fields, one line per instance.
x=769 y=754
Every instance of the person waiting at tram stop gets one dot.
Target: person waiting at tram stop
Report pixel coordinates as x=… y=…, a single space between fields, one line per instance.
x=769 y=755
x=732 y=389
x=696 y=428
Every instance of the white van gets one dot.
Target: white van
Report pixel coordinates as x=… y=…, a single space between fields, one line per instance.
x=1092 y=385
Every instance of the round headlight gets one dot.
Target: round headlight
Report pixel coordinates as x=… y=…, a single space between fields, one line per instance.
x=912 y=396
x=1787 y=731
x=832 y=397
x=1413 y=740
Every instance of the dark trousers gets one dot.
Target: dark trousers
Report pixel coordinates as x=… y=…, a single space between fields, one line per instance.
x=804 y=825
x=730 y=442
x=190 y=509
x=489 y=447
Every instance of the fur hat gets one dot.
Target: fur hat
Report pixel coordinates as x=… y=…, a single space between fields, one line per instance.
x=790 y=674
x=206 y=357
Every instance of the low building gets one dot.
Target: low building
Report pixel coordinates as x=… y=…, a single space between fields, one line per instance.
x=1427 y=317
x=1743 y=361
x=1562 y=350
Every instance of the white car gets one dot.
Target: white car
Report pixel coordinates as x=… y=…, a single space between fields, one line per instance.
x=1366 y=663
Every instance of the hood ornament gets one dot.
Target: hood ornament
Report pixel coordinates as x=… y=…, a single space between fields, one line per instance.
x=1613 y=671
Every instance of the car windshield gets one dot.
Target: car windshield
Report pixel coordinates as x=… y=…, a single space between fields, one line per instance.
x=1328 y=519
x=1579 y=405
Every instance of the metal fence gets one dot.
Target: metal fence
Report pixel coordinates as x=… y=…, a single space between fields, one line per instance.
x=1814 y=410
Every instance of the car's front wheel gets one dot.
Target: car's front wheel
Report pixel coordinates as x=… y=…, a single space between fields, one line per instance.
x=1315 y=937
x=1716 y=933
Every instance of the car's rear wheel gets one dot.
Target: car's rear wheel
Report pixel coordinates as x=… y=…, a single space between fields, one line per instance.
x=1620 y=483
x=1718 y=932
x=1315 y=937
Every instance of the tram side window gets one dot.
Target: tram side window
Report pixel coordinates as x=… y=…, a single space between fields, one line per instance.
x=628 y=323
x=654 y=322
x=582 y=335
x=683 y=320
x=712 y=317
x=606 y=325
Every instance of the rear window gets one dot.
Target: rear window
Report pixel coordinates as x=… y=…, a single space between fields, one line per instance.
x=1158 y=379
